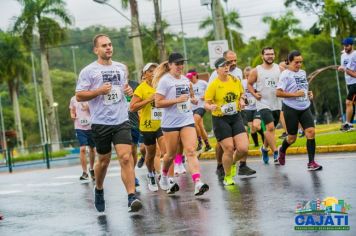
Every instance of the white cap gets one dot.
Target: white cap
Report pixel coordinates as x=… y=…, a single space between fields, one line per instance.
x=148 y=65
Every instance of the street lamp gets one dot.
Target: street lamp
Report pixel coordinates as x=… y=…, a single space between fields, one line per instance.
x=55 y=106
x=181 y=25
x=230 y=34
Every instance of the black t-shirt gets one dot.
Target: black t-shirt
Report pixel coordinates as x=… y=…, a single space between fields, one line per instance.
x=133 y=116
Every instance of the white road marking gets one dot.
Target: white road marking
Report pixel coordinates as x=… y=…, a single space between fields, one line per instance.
x=10 y=192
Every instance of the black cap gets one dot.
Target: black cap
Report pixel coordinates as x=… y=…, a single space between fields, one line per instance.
x=220 y=62
x=175 y=57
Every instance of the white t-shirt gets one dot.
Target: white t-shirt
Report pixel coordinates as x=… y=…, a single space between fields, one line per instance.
x=199 y=90
x=291 y=82
x=109 y=109
x=250 y=98
x=349 y=62
x=180 y=114
x=82 y=120
x=237 y=72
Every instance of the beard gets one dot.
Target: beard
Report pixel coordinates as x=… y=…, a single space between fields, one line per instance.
x=268 y=62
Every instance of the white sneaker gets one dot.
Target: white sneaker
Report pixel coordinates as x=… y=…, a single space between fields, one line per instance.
x=182 y=169
x=176 y=169
x=200 y=188
x=163 y=183
x=173 y=186
x=152 y=185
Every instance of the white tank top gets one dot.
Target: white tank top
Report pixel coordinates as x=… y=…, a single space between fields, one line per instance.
x=266 y=85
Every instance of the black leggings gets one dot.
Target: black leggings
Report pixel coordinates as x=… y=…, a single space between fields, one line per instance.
x=292 y=117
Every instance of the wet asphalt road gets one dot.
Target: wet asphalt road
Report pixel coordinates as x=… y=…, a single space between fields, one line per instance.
x=55 y=202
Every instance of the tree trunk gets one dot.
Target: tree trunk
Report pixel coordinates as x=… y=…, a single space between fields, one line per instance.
x=219 y=20
x=136 y=38
x=17 y=115
x=48 y=100
x=159 y=32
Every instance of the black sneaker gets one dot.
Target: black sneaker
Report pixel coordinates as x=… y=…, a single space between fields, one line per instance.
x=346 y=127
x=245 y=170
x=141 y=162
x=283 y=135
x=207 y=148
x=137 y=182
x=199 y=147
x=99 y=200
x=84 y=176
x=220 y=172
x=92 y=175
x=134 y=204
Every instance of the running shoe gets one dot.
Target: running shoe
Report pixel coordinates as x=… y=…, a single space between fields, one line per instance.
x=92 y=174
x=134 y=204
x=301 y=133
x=233 y=170
x=207 y=148
x=137 y=182
x=173 y=186
x=313 y=166
x=245 y=170
x=281 y=157
x=275 y=156
x=141 y=162
x=84 y=176
x=347 y=127
x=228 y=180
x=99 y=201
x=283 y=135
x=181 y=169
x=163 y=183
x=176 y=169
x=200 y=146
x=152 y=185
x=220 y=172
x=200 y=188
x=265 y=156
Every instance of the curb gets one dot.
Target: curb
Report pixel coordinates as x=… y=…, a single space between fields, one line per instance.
x=293 y=150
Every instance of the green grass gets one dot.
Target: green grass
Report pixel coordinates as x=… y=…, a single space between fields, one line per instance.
x=39 y=156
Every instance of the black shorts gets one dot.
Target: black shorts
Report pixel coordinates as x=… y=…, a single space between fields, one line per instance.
x=352 y=92
x=228 y=126
x=199 y=111
x=150 y=137
x=105 y=135
x=269 y=116
x=250 y=115
x=293 y=117
x=176 y=128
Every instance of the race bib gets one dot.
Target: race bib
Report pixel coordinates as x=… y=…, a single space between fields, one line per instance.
x=251 y=101
x=229 y=109
x=184 y=107
x=270 y=83
x=156 y=113
x=304 y=98
x=84 y=121
x=114 y=96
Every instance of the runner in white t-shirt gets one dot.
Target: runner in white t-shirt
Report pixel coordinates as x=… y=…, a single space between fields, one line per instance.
x=80 y=114
x=104 y=85
x=174 y=95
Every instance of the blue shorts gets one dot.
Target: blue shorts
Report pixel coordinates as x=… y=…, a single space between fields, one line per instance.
x=84 y=137
x=136 y=136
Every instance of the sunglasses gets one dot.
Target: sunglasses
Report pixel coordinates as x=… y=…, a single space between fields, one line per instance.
x=179 y=63
x=231 y=61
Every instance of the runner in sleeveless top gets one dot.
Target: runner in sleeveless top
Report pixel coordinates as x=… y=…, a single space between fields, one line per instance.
x=103 y=83
x=348 y=66
x=251 y=117
x=231 y=58
x=266 y=77
x=293 y=88
x=150 y=121
x=174 y=95
x=80 y=114
x=199 y=87
x=225 y=98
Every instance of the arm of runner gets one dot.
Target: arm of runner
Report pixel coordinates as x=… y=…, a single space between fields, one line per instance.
x=128 y=90
x=192 y=98
x=83 y=96
x=351 y=72
x=280 y=93
x=162 y=102
x=137 y=103
x=252 y=78
x=210 y=106
x=73 y=114
x=242 y=102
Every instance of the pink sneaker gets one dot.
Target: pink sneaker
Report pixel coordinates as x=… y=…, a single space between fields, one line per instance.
x=281 y=157
x=313 y=166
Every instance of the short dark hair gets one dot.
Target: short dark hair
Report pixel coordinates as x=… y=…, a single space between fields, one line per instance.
x=96 y=37
x=266 y=48
x=293 y=54
x=226 y=52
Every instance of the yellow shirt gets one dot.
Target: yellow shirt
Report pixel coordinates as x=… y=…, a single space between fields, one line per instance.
x=149 y=115
x=225 y=95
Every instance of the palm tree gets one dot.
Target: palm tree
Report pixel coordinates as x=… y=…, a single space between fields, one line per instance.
x=13 y=70
x=42 y=18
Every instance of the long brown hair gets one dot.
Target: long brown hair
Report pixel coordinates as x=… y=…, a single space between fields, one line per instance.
x=159 y=72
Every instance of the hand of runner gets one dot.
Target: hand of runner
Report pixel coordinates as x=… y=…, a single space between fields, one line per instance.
x=194 y=101
x=300 y=93
x=128 y=90
x=242 y=103
x=73 y=116
x=152 y=98
x=257 y=95
x=105 y=89
x=310 y=95
x=183 y=98
x=341 y=68
x=211 y=107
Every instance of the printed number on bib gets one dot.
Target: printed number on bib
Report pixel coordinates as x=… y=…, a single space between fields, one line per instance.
x=84 y=121
x=270 y=83
x=113 y=97
x=304 y=98
x=229 y=109
x=184 y=107
x=251 y=101
x=156 y=114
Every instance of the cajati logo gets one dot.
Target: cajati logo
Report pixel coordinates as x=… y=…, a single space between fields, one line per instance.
x=328 y=214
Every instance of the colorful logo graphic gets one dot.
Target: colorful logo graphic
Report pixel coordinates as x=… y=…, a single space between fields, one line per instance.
x=328 y=214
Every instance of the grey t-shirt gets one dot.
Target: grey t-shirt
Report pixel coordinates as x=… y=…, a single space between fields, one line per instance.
x=349 y=62
x=109 y=109
x=199 y=90
x=251 y=106
x=291 y=82
x=180 y=114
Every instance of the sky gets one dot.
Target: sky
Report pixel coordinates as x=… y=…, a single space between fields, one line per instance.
x=88 y=12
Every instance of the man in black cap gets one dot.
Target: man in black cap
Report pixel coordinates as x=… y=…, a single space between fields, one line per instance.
x=348 y=66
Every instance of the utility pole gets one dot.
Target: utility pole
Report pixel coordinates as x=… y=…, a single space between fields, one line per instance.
x=218 y=20
x=181 y=25
x=159 y=31
x=74 y=61
x=230 y=33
